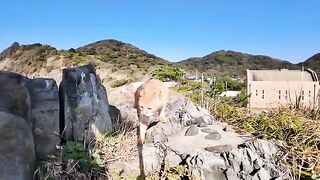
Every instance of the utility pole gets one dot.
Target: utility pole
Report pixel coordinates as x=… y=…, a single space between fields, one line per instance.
x=202 y=94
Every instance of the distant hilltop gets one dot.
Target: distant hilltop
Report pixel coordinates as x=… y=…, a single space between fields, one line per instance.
x=117 y=56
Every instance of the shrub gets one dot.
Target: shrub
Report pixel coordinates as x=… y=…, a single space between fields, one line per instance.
x=119 y=83
x=165 y=73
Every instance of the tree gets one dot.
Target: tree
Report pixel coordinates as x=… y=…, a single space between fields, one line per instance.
x=167 y=73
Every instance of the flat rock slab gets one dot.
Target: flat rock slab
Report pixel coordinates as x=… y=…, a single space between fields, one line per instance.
x=192 y=131
x=213 y=136
x=196 y=143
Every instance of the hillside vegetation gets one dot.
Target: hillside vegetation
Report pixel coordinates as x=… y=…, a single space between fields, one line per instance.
x=114 y=60
x=233 y=63
x=112 y=56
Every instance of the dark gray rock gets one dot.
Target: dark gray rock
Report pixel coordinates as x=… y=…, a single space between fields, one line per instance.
x=116 y=117
x=17 y=159
x=192 y=131
x=17 y=153
x=44 y=96
x=85 y=107
x=208 y=130
x=213 y=136
x=14 y=95
x=36 y=101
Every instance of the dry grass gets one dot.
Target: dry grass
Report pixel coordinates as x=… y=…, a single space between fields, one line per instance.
x=117 y=147
x=297 y=128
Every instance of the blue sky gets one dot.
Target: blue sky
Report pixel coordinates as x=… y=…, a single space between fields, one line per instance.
x=172 y=29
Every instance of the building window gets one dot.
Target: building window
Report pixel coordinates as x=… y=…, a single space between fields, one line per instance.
x=309 y=94
x=262 y=94
x=302 y=95
x=286 y=95
x=279 y=94
x=256 y=92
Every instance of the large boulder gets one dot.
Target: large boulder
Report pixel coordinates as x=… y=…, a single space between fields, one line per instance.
x=181 y=113
x=44 y=96
x=14 y=95
x=84 y=105
x=17 y=159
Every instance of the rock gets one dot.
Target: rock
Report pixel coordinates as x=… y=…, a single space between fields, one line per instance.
x=44 y=96
x=213 y=136
x=218 y=149
x=225 y=162
x=14 y=95
x=116 y=117
x=208 y=130
x=202 y=124
x=184 y=112
x=84 y=105
x=192 y=130
x=36 y=101
x=17 y=160
x=181 y=113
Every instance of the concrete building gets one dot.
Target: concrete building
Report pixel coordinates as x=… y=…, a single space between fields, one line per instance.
x=274 y=88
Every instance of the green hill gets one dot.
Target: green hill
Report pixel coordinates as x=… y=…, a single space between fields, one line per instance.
x=116 y=56
x=233 y=63
x=107 y=53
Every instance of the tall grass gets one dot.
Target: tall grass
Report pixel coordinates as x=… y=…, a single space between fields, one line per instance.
x=297 y=127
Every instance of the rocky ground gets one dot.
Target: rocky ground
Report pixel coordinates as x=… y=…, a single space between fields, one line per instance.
x=39 y=113
x=209 y=149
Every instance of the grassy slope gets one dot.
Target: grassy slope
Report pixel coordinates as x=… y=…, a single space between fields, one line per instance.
x=112 y=59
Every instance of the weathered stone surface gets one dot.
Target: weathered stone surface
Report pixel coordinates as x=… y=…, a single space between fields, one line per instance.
x=218 y=149
x=184 y=112
x=208 y=130
x=85 y=107
x=17 y=159
x=14 y=95
x=191 y=131
x=256 y=159
x=36 y=101
x=181 y=113
x=213 y=136
x=44 y=96
x=17 y=154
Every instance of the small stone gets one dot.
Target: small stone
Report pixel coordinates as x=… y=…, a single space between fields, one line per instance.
x=213 y=136
x=208 y=130
x=218 y=149
x=228 y=129
x=192 y=131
